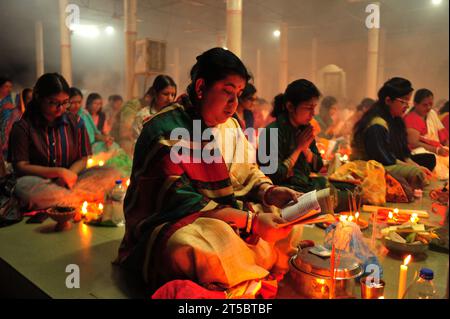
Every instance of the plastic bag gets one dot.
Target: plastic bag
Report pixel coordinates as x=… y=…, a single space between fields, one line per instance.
x=374 y=185
x=347 y=237
x=372 y=177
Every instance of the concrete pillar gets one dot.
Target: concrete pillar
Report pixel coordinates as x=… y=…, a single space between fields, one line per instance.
x=283 y=57
x=258 y=75
x=66 y=48
x=39 y=38
x=372 y=62
x=130 y=9
x=381 y=59
x=314 y=60
x=221 y=41
x=176 y=67
x=234 y=26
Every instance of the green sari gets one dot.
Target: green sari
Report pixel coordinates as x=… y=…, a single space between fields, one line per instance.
x=293 y=175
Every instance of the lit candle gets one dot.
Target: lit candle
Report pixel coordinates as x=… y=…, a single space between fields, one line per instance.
x=84 y=209
x=100 y=207
x=128 y=182
x=403 y=277
x=414 y=218
x=101 y=163
x=90 y=163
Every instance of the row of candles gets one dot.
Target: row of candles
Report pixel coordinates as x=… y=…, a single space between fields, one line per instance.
x=394 y=217
x=92 y=163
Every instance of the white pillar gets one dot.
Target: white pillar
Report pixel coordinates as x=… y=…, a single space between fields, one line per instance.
x=372 y=62
x=176 y=67
x=66 y=48
x=221 y=41
x=381 y=59
x=314 y=60
x=283 y=57
x=39 y=38
x=130 y=9
x=234 y=26
x=258 y=75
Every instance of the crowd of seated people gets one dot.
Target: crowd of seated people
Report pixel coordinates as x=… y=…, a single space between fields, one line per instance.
x=215 y=222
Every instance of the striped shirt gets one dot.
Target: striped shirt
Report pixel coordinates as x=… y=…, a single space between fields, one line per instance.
x=58 y=145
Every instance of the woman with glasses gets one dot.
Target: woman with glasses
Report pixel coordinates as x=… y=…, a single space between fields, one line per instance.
x=49 y=148
x=381 y=135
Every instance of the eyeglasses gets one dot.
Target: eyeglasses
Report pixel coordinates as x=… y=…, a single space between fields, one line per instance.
x=404 y=102
x=64 y=104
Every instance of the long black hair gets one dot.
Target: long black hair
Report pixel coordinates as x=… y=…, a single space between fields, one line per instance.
x=90 y=99
x=215 y=65
x=160 y=83
x=47 y=85
x=422 y=94
x=75 y=92
x=101 y=115
x=394 y=88
x=297 y=92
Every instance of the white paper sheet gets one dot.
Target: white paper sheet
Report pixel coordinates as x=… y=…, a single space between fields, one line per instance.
x=306 y=203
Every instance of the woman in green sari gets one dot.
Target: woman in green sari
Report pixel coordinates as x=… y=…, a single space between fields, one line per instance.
x=298 y=155
x=196 y=216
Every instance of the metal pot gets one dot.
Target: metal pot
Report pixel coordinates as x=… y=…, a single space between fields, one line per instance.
x=311 y=276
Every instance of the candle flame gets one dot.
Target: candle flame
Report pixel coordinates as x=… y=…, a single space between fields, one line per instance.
x=343 y=218
x=320 y=281
x=345 y=157
x=128 y=182
x=407 y=260
x=396 y=210
x=391 y=215
x=350 y=219
x=90 y=162
x=322 y=152
x=414 y=218
x=100 y=206
x=101 y=163
x=84 y=208
x=357 y=215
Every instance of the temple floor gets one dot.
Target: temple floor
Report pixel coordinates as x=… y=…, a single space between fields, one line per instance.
x=33 y=260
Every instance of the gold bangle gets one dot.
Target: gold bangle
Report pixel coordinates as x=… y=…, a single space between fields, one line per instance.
x=249 y=225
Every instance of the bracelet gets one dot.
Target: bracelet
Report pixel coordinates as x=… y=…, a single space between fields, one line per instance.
x=266 y=193
x=249 y=225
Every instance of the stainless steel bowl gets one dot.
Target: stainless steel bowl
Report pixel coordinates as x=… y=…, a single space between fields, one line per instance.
x=311 y=276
